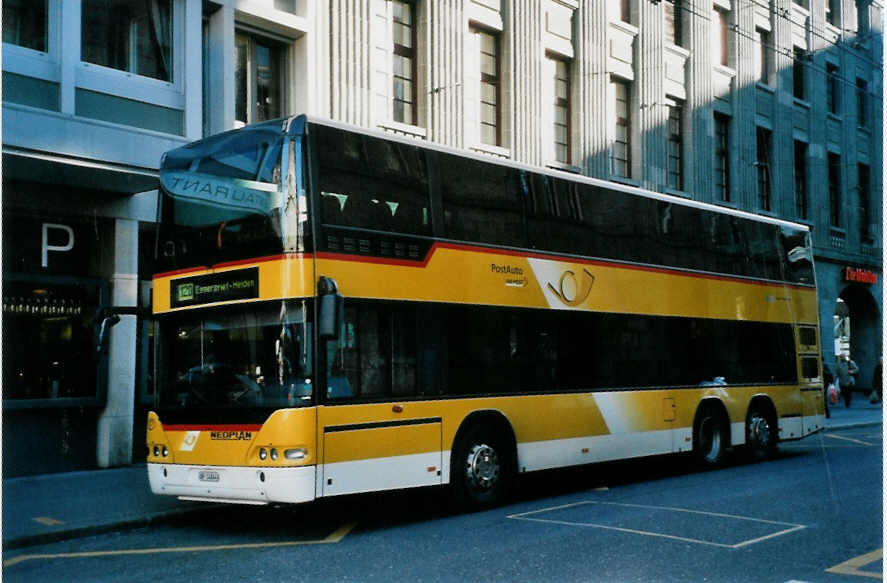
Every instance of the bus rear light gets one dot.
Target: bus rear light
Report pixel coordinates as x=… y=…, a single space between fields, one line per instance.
x=299 y=453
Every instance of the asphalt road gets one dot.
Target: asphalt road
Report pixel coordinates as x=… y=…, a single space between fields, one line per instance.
x=812 y=514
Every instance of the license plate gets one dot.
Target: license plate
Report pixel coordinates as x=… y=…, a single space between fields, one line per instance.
x=208 y=476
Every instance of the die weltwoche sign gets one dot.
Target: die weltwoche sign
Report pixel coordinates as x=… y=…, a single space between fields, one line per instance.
x=240 y=284
x=858 y=275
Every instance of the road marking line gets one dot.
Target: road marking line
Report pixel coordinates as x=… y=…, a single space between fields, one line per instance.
x=852 y=567
x=848 y=439
x=792 y=527
x=333 y=538
x=48 y=521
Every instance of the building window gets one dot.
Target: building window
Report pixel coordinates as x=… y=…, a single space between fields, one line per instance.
x=801 y=180
x=799 y=74
x=490 y=110
x=721 y=38
x=832 y=89
x=834 y=189
x=862 y=18
x=258 y=79
x=802 y=3
x=865 y=217
x=25 y=23
x=674 y=171
x=625 y=10
x=833 y=12
x=764 y=57
x=404 y=33
x=862 y=102
x=673 y=30
x=722 y=158
x=562 y=111
x=130 y=36
x=763 y=165
x=620 y=154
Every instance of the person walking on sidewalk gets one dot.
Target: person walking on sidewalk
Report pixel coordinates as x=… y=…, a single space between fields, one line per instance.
x=877 y=383
x=847 y=371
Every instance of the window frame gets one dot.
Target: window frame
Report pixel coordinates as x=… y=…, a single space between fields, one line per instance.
x=832 y=89
x=864 y=178
x=281 y=50
x=565 y=105
x=722 y=152
x=834 y=189
x=675 y=146
x=673 y=29
x=799 y=74
x=170 y=94
x=763 y=153
x=862 y=103
x=411 y=53
x=802 y=198
x=625 y=122
x=490 y=80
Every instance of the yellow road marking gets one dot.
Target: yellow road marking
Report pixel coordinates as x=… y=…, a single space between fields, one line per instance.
x=48 y=521
x=335 y=537
x=852 y=566
x=848 y=439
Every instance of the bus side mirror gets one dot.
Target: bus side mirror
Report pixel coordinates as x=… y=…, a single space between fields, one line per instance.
x=331 y=310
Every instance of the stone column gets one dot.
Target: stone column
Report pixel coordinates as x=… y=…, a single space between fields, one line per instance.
x=592 y=79
x=447 y=73
x=115 y=426
x=700 y=95
x=650 y=95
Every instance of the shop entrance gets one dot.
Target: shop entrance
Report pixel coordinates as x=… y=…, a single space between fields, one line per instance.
x=857 y=331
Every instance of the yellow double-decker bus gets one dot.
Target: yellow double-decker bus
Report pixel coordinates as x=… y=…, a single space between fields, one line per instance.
x=341 y=311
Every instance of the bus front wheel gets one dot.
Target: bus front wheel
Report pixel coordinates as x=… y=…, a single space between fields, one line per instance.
x=710 y=437
x=482 y=469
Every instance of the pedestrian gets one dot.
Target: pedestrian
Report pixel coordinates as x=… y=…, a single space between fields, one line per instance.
x=877 y=383
x=846 y=380
x=827 y=380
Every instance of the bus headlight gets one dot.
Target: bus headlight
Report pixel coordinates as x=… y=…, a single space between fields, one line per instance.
x=274 y=454
x=296 y=454
x=263 y=454
x=165 y=451
x=156 y=451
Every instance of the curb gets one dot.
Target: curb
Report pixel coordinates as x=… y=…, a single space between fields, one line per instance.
x=92 y=530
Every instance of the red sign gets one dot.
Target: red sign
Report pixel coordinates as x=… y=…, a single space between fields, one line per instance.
x=860 y=275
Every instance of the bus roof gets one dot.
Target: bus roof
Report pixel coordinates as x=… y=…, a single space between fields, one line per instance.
x=295 y=124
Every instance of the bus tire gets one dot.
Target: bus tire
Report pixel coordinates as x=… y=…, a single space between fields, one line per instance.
x=710 y=436
x=482 y=469
x=761 y=431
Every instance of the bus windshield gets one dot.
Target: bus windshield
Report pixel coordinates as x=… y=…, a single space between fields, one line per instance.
x=221 y=198
x=222 y=360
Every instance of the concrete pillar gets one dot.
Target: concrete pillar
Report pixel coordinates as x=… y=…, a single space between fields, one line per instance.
x=652 y=109
x=525 y=55
x=700 y=95
x=220 y=69
x=592 y=79
x=115 y=440
x=447 y=72
x=351 y=44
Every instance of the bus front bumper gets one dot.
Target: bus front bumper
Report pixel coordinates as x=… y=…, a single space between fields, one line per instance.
x=238 y=485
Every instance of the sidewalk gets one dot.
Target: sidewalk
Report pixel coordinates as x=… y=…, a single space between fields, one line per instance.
x=51 y=507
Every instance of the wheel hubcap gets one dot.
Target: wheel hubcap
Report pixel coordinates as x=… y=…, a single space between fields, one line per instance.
x=760 y=431
x=482 y=467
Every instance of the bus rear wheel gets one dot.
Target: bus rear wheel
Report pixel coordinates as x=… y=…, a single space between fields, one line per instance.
x=710 y=437
x=482 y=469
x=760 y=434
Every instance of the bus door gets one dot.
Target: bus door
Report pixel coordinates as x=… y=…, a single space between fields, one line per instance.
x=373 y=434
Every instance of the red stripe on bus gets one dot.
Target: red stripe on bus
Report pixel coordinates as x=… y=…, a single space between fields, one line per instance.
x=211 y=427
